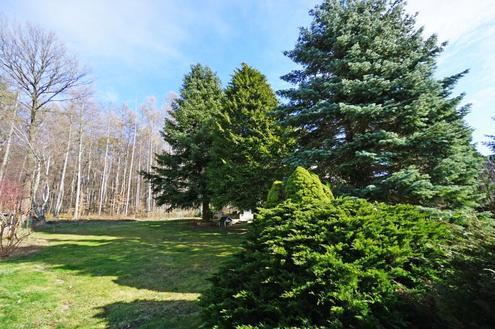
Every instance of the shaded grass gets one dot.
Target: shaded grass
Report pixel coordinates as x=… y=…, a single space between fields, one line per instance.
x=113 y=274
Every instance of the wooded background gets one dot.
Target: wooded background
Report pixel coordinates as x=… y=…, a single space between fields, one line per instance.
x=61 y=152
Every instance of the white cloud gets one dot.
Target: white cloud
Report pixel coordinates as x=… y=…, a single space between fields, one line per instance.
x=128 y=31
x=110 y=29
x=469 y=28
x=452 y=19
x=138 y=43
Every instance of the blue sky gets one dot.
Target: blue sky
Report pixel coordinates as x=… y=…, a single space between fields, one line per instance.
x=141 y=48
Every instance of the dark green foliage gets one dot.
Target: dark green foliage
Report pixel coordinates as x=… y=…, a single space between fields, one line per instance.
x=275 y=194
x=344 y=264
x=369 y=112
x=304 y=186
x=249 y=144
x=179 y=177
x=467 y=299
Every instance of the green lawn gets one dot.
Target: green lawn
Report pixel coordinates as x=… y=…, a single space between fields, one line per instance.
x=113 y=274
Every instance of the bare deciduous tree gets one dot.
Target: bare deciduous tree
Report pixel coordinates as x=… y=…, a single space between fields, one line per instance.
x=40 y=68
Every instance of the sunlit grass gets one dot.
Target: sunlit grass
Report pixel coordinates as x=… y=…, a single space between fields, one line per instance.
x=113 y=274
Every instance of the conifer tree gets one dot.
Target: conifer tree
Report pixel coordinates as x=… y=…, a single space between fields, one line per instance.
x=249 y=144
x=179 y=178
x=369 y=112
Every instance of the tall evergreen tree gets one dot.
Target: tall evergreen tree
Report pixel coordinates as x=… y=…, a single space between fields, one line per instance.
x=179 y=178
x=249 y=144
x=369 y=112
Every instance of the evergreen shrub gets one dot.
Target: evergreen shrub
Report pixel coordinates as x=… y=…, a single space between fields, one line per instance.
x=342 y=264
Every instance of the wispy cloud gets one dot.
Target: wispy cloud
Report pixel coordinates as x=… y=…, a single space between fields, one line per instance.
x=141 y=48
x=452 y=19
x=469 y=28
x=123 y=30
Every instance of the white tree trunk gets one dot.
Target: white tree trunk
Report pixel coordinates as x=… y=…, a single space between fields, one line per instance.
x=103 y=185
x=150 y=163
x=41 y=207
x=79 y=160
x=137 y=206
x=88 y=179
x=130 y=171
x=9 y=142
x=60 y=194
x=116 y=187
x=123 y=185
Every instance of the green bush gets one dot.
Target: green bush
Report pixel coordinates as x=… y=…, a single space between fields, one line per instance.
x=328 y=190
x=275 y=194
x=304 y=186
x=467 y=297
x=301 y=186
x=342 y=264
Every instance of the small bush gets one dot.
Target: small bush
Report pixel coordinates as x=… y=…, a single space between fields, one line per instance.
x=10 y=195
x=275 y=194
x=301 y=186
x=342 y=264
x=304 y=186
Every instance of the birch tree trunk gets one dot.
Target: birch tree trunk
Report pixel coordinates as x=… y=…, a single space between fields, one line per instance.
x=79 y=160
x=60 y=194
x=150 y=162
x=130 y=171
x=88 y=179
x=35 y=204
x=9 y=142
x=137 y=206
x=103 y=184
x=116 y=187
x=41 y=206
x=124 y=182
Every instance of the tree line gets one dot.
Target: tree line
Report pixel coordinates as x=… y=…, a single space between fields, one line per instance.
x=365 y=112
x=62 y=152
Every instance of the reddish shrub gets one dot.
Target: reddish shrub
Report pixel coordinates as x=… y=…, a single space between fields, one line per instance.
x=10 y=195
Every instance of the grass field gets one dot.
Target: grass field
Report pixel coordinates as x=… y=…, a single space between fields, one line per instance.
x=113 y=274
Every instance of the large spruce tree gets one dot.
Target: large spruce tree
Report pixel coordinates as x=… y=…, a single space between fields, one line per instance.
x=369 y=112
x=179 y=178
x=249 y=144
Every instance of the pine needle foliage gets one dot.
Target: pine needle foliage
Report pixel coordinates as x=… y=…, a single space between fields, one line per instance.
x=249 y=144
x=179 y=178
x=347 y=263
x=369 y=112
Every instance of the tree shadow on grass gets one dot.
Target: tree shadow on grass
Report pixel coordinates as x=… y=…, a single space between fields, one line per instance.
x=151 y=314
x=171 y=256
